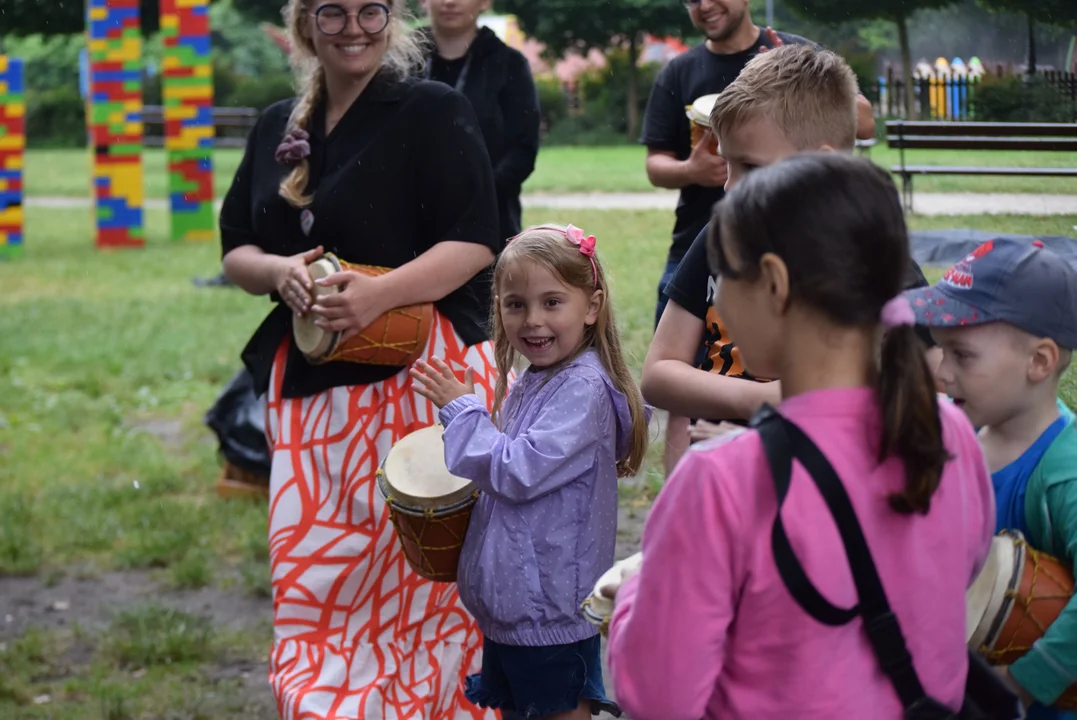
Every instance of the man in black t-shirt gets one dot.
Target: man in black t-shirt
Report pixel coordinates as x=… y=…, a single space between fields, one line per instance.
x=732 y=40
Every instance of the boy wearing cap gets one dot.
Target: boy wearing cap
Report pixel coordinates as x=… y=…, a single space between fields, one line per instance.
x=1006 y=320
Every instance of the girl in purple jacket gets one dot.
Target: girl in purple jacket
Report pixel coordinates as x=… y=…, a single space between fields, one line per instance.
x=547 y=462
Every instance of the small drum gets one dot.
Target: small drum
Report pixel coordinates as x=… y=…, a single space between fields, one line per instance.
x=397 y=338
x=430 y=507
x=597 y=608
x=699 y=119
x=1017 y=595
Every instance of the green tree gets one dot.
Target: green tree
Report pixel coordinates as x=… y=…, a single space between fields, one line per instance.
x=33 y=17
x=897 y=11
x=261 y=10
x=1048 y=12
x=584 y=24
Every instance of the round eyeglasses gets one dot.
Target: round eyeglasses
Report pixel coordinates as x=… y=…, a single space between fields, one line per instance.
x=332 y=19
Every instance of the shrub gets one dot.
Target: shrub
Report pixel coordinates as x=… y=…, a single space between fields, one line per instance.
x=55 y=118
x=1021 y=99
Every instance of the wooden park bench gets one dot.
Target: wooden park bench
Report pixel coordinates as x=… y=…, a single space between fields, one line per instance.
x=232 y=125
x=904 y=135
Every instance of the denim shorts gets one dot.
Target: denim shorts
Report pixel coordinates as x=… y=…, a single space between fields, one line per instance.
x=528 y=683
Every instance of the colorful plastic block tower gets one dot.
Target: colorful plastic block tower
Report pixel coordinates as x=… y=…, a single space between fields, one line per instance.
x=188 y=104
x=115 y=49
x=12 y=153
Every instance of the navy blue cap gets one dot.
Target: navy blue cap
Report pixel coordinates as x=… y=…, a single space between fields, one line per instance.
x=1025 y=285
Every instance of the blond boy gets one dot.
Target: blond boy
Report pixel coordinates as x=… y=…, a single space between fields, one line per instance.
x=791 y=99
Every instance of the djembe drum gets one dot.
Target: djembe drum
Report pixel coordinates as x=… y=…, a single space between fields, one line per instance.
x=597 y=608
x=1013 y=601
x=429 y=506
x=397 y=338
x=699 y=120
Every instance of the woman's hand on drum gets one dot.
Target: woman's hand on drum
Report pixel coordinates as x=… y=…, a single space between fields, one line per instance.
x=352 y=309
x=438 y=384
x=292 y=280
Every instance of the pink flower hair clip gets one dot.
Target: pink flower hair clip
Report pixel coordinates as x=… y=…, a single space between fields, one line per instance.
x=586 y=244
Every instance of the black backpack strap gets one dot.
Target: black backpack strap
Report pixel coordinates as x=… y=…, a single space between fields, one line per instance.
x=784 y=441
x=777 y=447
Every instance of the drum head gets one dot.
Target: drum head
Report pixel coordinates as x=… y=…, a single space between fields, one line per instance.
x=987 y=596
x=416 y=475
x=311 y=340
x=700 y=112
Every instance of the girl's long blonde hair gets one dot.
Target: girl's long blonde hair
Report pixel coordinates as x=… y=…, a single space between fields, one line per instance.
x=404 y=54
x=548 y=246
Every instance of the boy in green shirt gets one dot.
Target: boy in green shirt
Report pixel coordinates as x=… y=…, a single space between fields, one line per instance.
x=1006 y=320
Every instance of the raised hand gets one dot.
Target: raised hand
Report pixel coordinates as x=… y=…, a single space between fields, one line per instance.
x=438 y=384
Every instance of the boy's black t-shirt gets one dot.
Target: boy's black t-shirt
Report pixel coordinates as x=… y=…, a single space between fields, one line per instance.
x=684 y=80
x=693 y=287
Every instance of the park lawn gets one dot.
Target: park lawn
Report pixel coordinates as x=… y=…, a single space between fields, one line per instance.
x=107 y=364
x=563 y=169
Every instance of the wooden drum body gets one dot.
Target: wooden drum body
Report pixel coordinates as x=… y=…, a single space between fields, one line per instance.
x=699 y=119
x=1013 y=601
x=429 y=506
x=397 y=338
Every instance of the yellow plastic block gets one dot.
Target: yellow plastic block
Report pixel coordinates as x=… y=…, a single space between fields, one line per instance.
x=16 y=110
x=12 y=142
x=13 y=162
x=181 y=112
x=191 y=92
x=98 y=13
x=11 y=216
x=3 y=63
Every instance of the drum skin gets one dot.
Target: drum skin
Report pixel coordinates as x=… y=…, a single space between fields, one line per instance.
x=397 y=338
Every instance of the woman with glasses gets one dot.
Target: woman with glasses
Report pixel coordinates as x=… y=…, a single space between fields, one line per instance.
x=387 y=170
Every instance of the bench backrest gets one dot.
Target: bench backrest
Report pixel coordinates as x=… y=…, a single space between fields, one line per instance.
x=1056 y=137
x=235 y=122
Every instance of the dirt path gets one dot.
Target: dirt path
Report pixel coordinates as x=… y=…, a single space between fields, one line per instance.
x=923 y=203
x=81 y=605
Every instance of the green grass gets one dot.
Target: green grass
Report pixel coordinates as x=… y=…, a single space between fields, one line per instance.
x=108 y=361
x=569 y=170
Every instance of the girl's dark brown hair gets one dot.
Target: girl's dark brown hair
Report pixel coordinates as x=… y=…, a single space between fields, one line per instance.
x=837 y=224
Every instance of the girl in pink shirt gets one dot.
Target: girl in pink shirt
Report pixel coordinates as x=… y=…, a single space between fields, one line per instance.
x=811 y=251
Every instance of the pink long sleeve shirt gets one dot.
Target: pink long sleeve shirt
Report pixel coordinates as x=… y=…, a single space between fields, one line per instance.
x=708 y=630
